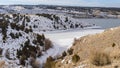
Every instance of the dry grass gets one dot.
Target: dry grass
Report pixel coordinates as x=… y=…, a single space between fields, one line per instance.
x=100 y=58
x=2 y=63
x=50 y=63
x=115 y=54
x=105 y=49
x=34 y=63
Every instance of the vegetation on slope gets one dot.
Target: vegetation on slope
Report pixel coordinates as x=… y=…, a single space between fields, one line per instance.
x=30 y=45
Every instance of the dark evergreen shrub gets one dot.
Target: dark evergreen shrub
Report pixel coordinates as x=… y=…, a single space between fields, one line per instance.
x=70 y=51
x=64 y=54
x=66 y=19
x=13 y=25
x=14 y=15
x=27 y=30
x=27 y=19
x=12 y=35
x=1 y=50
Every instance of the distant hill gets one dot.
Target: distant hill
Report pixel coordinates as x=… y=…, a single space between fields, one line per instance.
x=75 y=7
x=73 y=11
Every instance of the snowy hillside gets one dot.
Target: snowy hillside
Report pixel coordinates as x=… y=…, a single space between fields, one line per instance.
x=76 y=12
x=19 y=45
x=22 y=41
x=46 y=22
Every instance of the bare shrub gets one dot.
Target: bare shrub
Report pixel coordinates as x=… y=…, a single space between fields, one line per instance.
x=2 y=64
x=100 y=58
x=22 y=60
x=34 y=63
x=49 y=63
x=75 y=41
x=48 y=44
x=116 y=66
x=75 y=58
x=39 y=52
x=113 y=45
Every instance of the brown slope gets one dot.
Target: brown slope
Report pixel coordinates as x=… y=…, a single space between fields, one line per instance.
x=86 y=47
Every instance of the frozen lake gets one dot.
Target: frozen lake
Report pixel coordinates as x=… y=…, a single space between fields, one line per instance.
x=104 y=23
x=62 y=40
x=65 y=38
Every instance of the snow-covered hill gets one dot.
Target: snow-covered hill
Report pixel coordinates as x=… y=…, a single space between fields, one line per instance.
x=46 y=22
x=19 y=44
x=76 y=12
x=21 y=38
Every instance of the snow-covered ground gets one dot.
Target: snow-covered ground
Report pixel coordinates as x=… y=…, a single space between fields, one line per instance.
x=62 y=40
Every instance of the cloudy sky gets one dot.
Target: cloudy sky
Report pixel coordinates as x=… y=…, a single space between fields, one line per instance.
x=97 y=3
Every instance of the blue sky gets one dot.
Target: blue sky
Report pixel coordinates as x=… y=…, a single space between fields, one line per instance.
x=100 y=3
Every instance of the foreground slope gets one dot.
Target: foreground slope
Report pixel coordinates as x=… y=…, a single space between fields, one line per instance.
x=93 y=51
